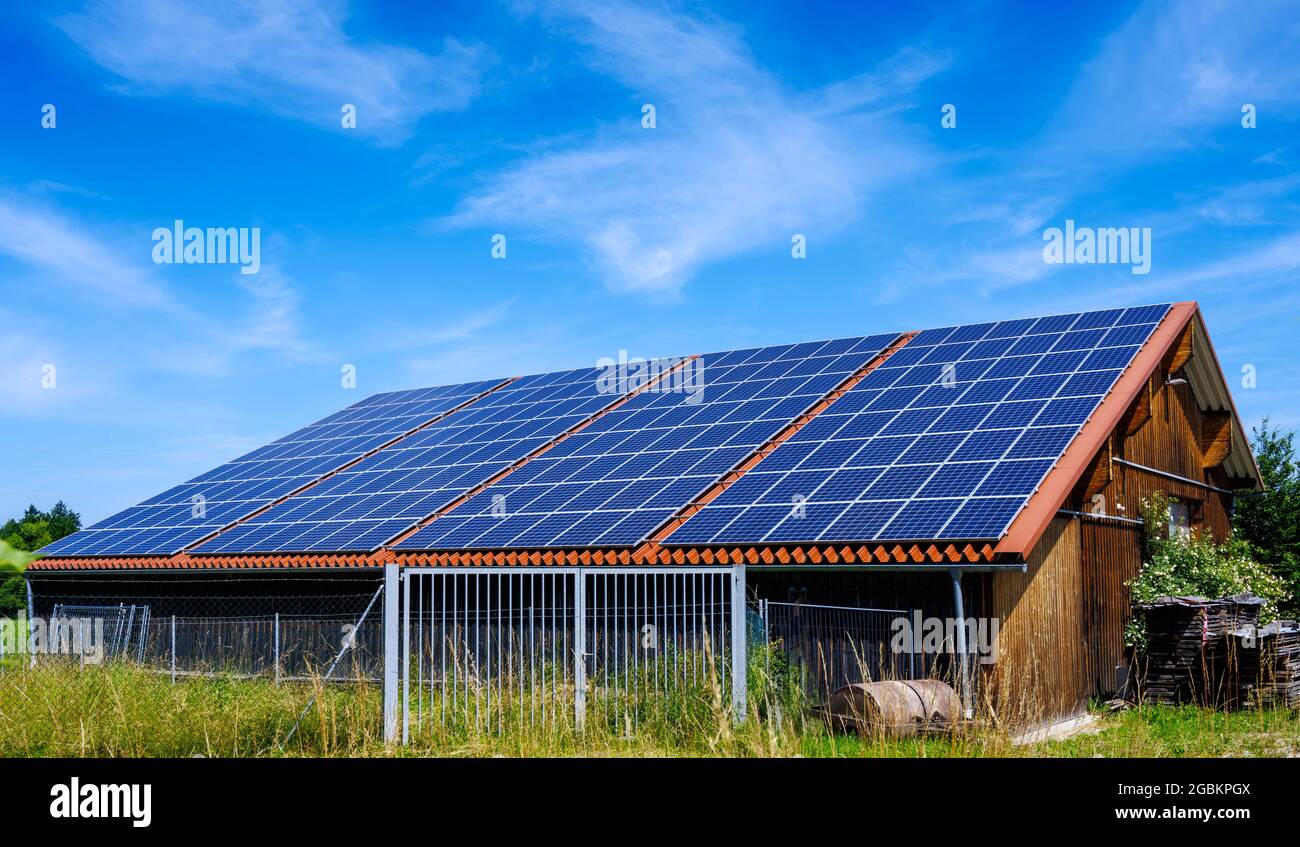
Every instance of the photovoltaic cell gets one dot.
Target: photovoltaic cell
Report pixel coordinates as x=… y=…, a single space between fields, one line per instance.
x=182 y=515
x=387 y=493
x=947 y=440
x=629 y=471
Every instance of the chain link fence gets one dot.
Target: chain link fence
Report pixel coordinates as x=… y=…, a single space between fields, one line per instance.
x=280 y=627
x=833 y=646
x=828 y=647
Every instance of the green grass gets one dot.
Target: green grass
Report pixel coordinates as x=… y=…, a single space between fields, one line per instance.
x=15 y=632
x=123 y=710
x=1189 y=731
x=1141 y=732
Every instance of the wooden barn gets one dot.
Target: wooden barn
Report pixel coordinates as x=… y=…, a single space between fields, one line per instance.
x=991 y=472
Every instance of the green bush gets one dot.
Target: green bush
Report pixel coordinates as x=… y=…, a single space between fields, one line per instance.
x=1194 y=565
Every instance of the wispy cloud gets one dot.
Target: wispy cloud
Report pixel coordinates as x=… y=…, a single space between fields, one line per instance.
x=1169 y=78
x=1175 y=70
x=290 y=57
x=461 y=330
x=95 y=272
x=38 y=235
x=736 y=159
x=1257 y=266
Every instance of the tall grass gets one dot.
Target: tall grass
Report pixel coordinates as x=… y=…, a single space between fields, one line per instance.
x=119 y=709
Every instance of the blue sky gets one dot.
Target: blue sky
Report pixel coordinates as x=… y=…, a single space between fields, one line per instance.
x=525 y=119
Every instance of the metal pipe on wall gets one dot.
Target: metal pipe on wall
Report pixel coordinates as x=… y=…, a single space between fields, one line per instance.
x=960 y=610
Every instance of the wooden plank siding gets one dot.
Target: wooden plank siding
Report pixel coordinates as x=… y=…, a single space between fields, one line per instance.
x=1042 y=672
x=1090 y=563
x=1174 y=438
x=1111 y=555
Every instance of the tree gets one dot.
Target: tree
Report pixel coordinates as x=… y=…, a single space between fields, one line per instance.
x=1270 y=520
x=32 y=531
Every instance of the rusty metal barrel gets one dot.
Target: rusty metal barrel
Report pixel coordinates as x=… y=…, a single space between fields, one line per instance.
x=895 y=708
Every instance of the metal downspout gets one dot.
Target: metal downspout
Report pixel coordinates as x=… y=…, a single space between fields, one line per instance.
x=960 y=610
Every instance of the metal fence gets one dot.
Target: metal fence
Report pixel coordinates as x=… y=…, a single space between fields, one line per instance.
x=124 y=627
x=565 y=648
x=279 y=627
x=496 y=647
x=833 y=646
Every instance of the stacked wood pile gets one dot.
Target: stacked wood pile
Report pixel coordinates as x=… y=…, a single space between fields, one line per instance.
x=1269 y=664
x=1190 y=656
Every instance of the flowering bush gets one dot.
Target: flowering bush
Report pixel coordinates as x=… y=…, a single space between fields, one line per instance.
x=1193 y=565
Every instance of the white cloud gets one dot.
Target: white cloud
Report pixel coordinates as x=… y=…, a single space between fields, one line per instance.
x=39 y=236
x=1257 y=266
x=1175 y=69
x=95 y=271
x=290 y=57
x=737 y=161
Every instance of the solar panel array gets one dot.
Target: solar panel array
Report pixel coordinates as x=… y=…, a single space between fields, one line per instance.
x=182 y=515
x=632 y=469
x=947 y=440
x=391 y=491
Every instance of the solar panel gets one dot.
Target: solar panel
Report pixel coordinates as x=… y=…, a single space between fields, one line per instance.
x=946 y=440
x=182 y=515
x=632 y=469
x=391 y=491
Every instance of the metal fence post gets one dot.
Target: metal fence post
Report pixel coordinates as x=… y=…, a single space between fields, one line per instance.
x=739 y=644
x=390 y=652
x=277 y=648
x=580 y=650
x=405 y=580
x=29 y=638
x=173 y=650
